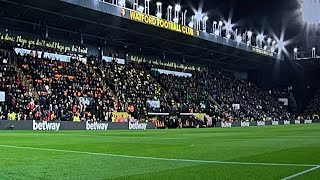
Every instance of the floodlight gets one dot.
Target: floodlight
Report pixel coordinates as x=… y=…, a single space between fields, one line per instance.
x=191 y=24
x=141 y=9
x=177 y=7
x=239 y=39
x=260 y=37
x=198 y=16
x=122 y=3
x=269 y=40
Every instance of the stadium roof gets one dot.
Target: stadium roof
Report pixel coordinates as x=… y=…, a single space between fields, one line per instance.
x=68 y=20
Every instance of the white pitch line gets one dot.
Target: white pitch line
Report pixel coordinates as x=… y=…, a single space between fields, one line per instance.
x=301 y=173
x=157 y=158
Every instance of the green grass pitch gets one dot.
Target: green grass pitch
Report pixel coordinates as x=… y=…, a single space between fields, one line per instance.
x=281 y=152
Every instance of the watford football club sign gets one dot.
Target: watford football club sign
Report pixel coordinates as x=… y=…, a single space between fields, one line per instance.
x=161 y=23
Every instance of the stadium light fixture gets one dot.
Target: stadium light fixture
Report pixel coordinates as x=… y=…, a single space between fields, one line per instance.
x=204 y=23
x=239 y=39
x=272 y=49
x=169 y=13
x=198 y=17
x=280 y=45
x=122 y=3
x=228 y=27
x=269 y=41
x=313 y=53
x=220 y=27
x=159 y=10
x=147 y=7
x=205 y=18
x=295 y=53
x=265 y=47
x=249 y=33
x=191 y=23
x=235 y=34
x=214 y=27
x=184 y=17
x=135 y=5
x=141 y=9
x=177 y=9
x=260 y=39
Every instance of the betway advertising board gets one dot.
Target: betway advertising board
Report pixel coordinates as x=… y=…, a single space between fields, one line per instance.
x=69 y=125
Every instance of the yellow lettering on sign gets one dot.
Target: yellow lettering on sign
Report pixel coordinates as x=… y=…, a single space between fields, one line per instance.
x=151 y=20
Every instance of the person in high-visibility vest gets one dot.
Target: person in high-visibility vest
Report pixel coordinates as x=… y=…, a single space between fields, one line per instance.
x=76 y=118
x=12 y=116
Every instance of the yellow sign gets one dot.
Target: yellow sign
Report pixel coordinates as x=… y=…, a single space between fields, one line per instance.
x=151 y=20
x=42 y=43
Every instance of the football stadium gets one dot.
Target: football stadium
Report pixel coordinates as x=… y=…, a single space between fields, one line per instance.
x=159 y=89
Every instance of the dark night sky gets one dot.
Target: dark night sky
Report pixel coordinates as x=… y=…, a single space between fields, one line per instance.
x=257 y=15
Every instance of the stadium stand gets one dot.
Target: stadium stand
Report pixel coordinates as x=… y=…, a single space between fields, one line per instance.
x=95 y=89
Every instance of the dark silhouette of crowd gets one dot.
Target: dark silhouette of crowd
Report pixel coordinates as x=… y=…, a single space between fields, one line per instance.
x=313 y=108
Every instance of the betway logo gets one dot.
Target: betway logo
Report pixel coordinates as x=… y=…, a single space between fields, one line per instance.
x=245 y=124
x=137 y=126
x=96 y=126
x=46 y=126
x=261 y=123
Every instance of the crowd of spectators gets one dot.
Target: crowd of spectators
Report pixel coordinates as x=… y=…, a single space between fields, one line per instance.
x=313 y=108
x=67 y=90
x=75 y=90
x=135 y=88
x=223 y=96
x=19 y=99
